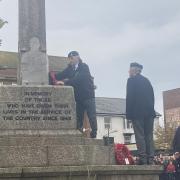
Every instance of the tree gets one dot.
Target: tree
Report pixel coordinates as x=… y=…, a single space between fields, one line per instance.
x=164 y=136
x=2 y=23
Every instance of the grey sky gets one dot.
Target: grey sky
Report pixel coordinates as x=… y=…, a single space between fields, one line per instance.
x=109 y=34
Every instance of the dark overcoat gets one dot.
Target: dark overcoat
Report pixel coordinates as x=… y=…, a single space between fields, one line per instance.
x=80 y=79
x=140 y=98
x=176 y=140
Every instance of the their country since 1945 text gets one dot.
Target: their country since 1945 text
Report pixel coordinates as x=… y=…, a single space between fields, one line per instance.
x=35 y=107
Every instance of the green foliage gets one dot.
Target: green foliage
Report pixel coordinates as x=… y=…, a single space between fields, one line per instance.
x=164 y=136
x=2 y=23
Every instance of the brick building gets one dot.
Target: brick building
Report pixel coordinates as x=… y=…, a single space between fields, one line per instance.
x=9 y=63
x=172 y=107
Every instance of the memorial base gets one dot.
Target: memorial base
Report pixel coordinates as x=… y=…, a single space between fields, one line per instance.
x=83 y=173
x=45 y=151
x=38 y=129
x=39 y=140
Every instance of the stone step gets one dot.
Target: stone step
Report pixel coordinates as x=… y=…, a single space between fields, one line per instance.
x=30 y=132
x=63 y=155
x=99 y=172
x=48 y=141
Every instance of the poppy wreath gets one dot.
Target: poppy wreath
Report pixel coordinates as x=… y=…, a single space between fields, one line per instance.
x=53 y=77
x=122 y=153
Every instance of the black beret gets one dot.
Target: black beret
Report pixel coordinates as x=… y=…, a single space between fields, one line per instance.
x=73 y=53
x=136 y=65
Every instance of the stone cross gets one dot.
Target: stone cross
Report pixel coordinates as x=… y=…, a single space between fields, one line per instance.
x=33 y=66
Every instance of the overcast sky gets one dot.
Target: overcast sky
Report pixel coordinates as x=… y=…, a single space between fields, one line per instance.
x=109 y=34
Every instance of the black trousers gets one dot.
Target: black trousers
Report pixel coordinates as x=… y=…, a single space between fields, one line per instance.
x=89 y=106
x=143 y=129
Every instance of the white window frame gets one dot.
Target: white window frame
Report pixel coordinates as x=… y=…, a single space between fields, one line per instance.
x=127 y=141
x=107 y=122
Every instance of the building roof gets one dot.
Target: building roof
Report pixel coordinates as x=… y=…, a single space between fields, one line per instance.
x=112 y=106
x=8 y=59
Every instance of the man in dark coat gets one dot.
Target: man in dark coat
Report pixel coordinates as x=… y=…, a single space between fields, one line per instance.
x=140 y=110
x=78 y=76
x=176 y=149
x=176 y=141
x=177 y=164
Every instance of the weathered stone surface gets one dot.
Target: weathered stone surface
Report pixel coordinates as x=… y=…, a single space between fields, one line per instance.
x=84 y=172
x=33 y=68
x=48 y=141
x=25 y=133
x=15 y=172
x=32 y=23
x=128 y=177
x=37 y=108
x=80 y=155
x=43 y=156
x=34 y=65
x=23 y=156
x=89 y=141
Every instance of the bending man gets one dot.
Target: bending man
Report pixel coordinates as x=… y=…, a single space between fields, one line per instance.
x=78 y=76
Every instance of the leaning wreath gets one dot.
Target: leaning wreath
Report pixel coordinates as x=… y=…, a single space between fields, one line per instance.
x=123 y=155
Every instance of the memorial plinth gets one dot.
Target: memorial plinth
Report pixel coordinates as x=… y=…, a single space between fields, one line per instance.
x=38 y=139
x=38 y=129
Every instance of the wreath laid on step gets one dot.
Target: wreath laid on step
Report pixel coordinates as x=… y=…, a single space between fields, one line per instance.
x=123 y=155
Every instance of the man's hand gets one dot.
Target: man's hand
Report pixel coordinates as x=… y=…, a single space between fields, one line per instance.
x=65 y=80
x=60 y=83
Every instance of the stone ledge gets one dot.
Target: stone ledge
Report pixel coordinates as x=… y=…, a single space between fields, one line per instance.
x=80 y=170
x=61 y=155
x=48 y=141
x=80 y=155
x=24 y=133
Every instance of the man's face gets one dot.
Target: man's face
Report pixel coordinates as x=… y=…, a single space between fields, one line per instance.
x=132 y=71
x=74 y=60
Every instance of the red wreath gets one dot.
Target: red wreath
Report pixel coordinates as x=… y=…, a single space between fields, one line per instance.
x=53 y=77
x=122 y=154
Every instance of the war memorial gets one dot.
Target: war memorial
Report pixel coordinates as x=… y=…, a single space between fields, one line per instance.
x=38 y=136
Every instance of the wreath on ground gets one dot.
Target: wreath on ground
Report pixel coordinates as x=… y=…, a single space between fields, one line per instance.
x=123 y=155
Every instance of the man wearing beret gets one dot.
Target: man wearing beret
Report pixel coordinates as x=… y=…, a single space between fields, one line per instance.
x=140 y=110
x=78 y=76
x=176 y=141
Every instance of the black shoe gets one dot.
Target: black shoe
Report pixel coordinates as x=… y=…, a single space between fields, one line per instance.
x=142 y=162
x=151 y=162
x=93 y=135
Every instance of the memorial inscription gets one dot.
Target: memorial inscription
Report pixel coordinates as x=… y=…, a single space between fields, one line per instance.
x=40 y=105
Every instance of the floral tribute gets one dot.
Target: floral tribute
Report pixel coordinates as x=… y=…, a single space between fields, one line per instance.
x=123 y=155
x=53 y=79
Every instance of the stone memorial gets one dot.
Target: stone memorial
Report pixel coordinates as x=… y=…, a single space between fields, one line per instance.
x=38 y=135
x=33 y=69
x=38 y=121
